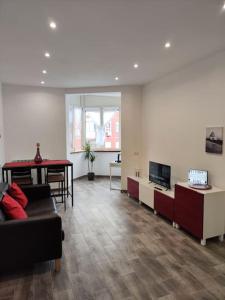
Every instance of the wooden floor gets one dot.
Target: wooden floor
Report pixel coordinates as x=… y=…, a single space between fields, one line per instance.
x=116 y=249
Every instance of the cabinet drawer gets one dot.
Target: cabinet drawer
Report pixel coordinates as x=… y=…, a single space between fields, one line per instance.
x=133 y=188
x=188 y=210
x=163 y=204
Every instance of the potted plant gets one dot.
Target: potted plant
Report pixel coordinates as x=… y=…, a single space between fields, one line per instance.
x=90 y=156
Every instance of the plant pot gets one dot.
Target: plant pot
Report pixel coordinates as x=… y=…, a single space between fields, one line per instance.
x=91 y=176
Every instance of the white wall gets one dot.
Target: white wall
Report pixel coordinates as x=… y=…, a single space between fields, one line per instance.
x=31 y=115
x=97 y=100
x=130 y=131
x=79 y=166
x=2 y=152
x=170 y=124
x=101 y=164
x=37 y=114
x=102 y=161
x=130 y=124
x=175 y=112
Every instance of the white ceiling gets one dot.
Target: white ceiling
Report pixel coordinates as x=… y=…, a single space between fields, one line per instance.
x=97 y=40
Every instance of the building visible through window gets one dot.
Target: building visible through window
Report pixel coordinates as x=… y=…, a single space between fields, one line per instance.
x=99 y=125
x=92 y=126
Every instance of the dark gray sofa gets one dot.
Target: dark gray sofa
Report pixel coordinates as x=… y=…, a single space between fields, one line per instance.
x=36 y=239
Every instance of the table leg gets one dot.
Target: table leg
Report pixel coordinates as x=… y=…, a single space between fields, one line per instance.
x=39 y=175
x=3 y=175
x=110 y=178
x=72 y=184
x=67 y=182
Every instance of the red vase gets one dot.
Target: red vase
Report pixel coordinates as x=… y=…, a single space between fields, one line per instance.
x=38 y=159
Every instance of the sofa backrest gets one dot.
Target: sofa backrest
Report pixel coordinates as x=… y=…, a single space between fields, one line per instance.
x=2 y=216
x=3 y=188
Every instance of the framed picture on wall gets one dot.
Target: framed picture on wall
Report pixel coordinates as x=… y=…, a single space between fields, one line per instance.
x=214 y=140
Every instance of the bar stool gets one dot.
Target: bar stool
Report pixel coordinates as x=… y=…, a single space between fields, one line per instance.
x=21 y=176
x=56 y=174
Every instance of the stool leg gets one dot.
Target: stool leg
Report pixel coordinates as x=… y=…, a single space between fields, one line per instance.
x=67 y=182
x=57 y=265
x=62 y=191
x=64 y=194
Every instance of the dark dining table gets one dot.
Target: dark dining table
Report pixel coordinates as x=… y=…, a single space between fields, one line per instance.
x=9 y=166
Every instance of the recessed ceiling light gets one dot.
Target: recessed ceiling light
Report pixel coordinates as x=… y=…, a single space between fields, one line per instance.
x=52 y=25
x=136 y=66
x=167 y=45
x=44 y=72
x=47 y=54
x=42 y=82
x=116 y=78
x=223 y=8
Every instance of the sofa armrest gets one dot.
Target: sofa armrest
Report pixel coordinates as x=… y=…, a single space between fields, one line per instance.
x=35 y=239
x=36 y=192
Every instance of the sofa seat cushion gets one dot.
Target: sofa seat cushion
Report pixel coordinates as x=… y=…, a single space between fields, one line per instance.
x=40 y=207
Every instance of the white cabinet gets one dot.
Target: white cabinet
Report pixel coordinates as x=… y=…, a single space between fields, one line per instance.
x=200 y=212
x=144 y=191
x=146 y=194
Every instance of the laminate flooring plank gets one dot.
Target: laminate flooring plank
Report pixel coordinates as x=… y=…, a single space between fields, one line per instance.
x=136 y=287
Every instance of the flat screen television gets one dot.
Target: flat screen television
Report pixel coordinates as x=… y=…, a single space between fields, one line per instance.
x=159 y=174
x=197 y=177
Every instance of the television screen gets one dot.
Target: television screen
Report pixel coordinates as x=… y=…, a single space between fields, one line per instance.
x=197 y=177
x=160 y=174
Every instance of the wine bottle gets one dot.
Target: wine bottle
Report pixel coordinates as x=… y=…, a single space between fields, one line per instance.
x=38 y=159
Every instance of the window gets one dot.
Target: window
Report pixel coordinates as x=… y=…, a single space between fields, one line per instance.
x=117 y=127
x=108 y=129
x=92 y=126
x=108 y=145
x=100 y=126
x=76 y=127
x=111 y=118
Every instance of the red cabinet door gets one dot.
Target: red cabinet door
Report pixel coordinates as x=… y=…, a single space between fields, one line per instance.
x=133 y=188
x=163 y=204
x=188 y=210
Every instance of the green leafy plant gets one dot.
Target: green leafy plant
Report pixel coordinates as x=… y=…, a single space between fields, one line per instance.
x=90 y=156
x=92 y=159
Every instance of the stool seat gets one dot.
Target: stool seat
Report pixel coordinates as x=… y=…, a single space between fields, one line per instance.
x=22 y=176
x=55 y=178
x=56 y=174
x=22 y=180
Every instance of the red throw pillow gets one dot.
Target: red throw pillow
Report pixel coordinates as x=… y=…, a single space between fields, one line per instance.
x=12 y=208
x=17 y=194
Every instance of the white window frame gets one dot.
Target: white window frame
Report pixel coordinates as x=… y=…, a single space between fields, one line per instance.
x=83 y=126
